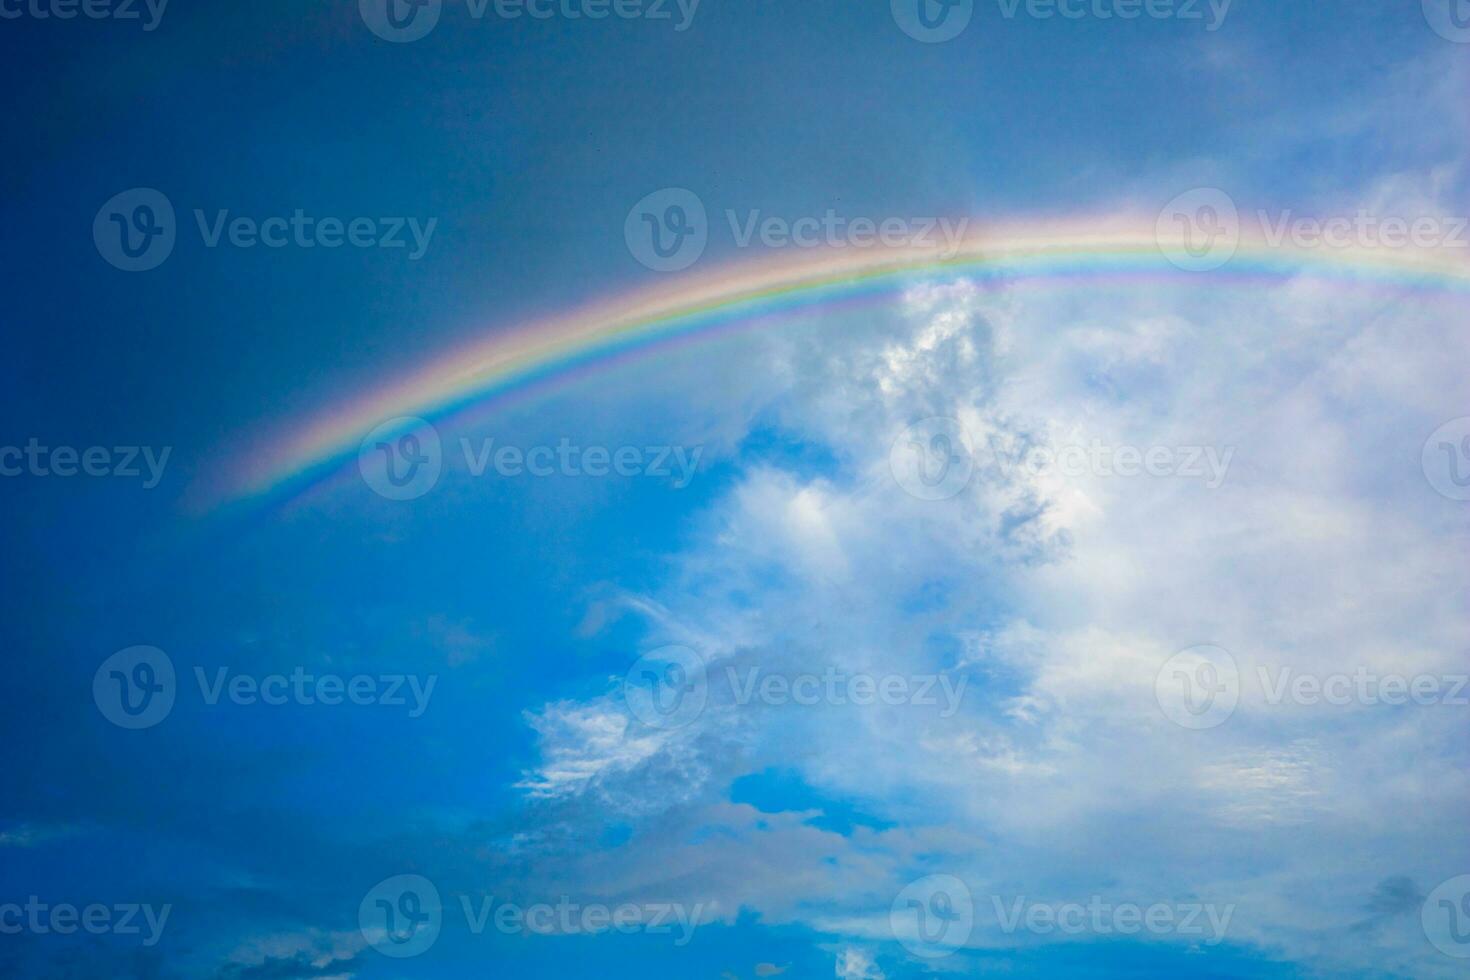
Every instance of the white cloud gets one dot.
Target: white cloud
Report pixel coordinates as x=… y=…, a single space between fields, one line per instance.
x=596 y=748
x=857 y=964
x=1062 y=596
x=318 y=947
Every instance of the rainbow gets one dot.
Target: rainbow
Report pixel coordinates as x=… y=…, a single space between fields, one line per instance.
x=690 y=307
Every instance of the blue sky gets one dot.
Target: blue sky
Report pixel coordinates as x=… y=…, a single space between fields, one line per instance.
x=517 y=640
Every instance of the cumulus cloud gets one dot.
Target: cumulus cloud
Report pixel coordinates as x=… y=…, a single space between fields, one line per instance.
x=313 y=953
x=857 y=964
x=1319 y=547
x=1061 y=596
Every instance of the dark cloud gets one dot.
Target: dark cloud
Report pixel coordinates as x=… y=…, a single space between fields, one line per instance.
x=1392 y=897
